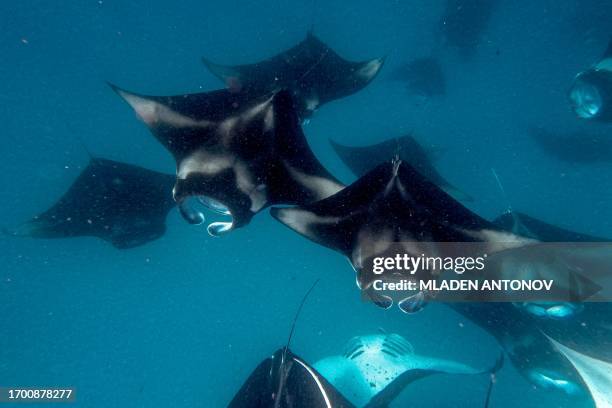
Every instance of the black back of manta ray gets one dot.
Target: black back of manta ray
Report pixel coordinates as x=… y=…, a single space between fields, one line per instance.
x=291 y=382
x=302 y=386
x=246 y=153
x=120 y=203
x=526 y=225
x=362 y=159
x=393 y=202
x=313 y=72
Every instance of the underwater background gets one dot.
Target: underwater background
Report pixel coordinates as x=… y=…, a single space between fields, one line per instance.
x=183 y=320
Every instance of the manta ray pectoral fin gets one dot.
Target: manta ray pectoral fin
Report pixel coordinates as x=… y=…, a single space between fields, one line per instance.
x=224 y=72
x=457 y=193
x=374 y=369
x=307 y=223
x=523 y=224
x=596 y=374
x=23 y=230
x=255 y=387
x=395 y=387
x=383 y=398
x=367 y=70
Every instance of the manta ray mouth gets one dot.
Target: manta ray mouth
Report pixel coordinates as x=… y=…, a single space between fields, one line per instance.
x=217 y=228
x=551 y=310
x=550 y=380
x=196 y=217
x=585 y=99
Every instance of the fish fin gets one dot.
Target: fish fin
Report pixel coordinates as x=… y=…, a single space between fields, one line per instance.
x=457 y=193
x=223 y=72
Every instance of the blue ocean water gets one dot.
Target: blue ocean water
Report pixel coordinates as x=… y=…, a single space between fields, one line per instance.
x=183 y=320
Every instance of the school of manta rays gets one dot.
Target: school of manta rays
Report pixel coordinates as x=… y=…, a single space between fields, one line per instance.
x=241 y=149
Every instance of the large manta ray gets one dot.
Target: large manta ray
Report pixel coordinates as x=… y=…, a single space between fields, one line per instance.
x=284 y=380
x=395 y=205
x=569 y=356
x=369 y=364
x=385 y=362
x=362 y=159
x=236 y=153
x=565 y=347
x=313 y=72
x=120 y=203
x=531 y=353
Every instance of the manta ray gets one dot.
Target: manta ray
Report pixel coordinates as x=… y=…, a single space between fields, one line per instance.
x=123 y=204
x=464 y=22
x=596 y=374
x=369 y=364
x=576 y=147
x=361 y=159
x=284 y=380
x=586 y=327
x=423 y=76
x=236 y=153
x=527 y=347
x=591 y=93
x=570 y=356
x=537 y=334
x=394 y=208
x=313 y=72
x=525 y=225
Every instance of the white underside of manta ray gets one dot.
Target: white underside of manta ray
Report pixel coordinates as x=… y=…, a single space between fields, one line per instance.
x=596 y=374
x=370 y=363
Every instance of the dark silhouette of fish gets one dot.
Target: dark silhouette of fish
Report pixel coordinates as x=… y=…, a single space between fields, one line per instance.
x=464 y=22
x=422 y=76
x=574 y=147
x=313 y=72
x=123 y=204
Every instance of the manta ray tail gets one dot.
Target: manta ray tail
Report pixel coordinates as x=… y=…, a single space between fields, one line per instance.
x=297 y=314
x=502 y=190
x=498 y=366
